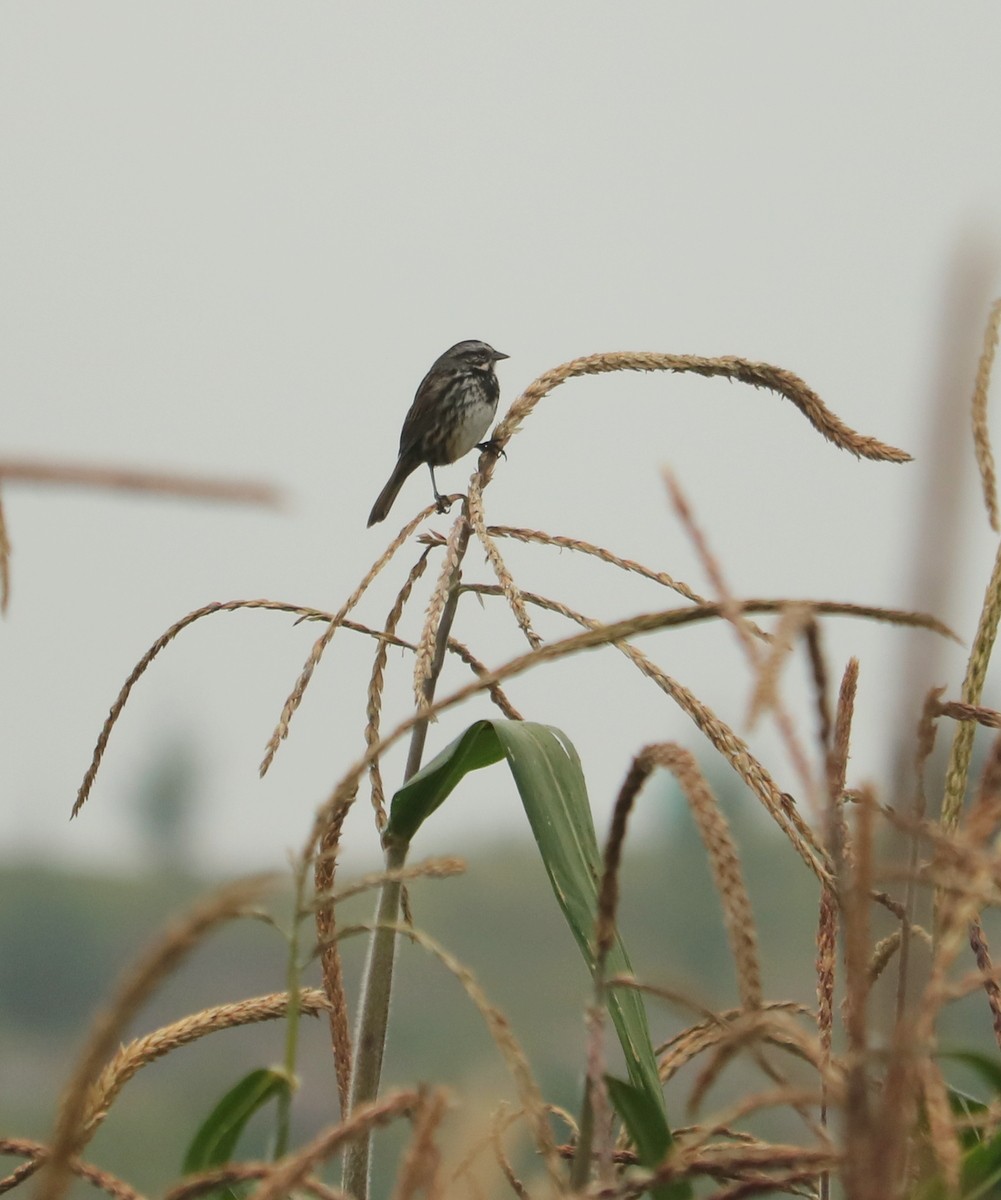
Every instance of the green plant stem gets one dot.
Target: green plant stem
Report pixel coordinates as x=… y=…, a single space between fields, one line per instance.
x=370 y=1043
x=377 y=985
x=293 y=982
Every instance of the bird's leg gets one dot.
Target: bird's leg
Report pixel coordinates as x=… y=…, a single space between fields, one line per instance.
x=490 y=446
x=443 y=502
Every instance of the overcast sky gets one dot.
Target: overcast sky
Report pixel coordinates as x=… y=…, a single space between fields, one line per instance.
x=233 y=237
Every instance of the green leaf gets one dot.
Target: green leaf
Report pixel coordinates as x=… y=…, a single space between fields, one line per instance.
x=432 y=785
x=963 y=1103
x=645 y=1122
x=980 y=1169
x=550 y=782
x=980 y=1172
x=215 y=1141
x=989 y=1069
x=967 y=1108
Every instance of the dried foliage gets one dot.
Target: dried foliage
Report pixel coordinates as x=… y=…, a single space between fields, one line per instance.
x=130 y=1058
x=724 y=860
x=37 y=1153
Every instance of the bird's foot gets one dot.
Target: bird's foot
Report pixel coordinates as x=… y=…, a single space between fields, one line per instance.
x=492 y=447
x=442 y=503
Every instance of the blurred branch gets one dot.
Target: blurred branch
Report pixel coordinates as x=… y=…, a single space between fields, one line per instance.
x=235 y=491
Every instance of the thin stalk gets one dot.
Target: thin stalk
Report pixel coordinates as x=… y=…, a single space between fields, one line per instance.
x=580 y=1172
x=594 y=1152
x=293 y=982
x=370 y=1043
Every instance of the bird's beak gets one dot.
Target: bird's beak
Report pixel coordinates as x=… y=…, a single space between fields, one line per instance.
x=498 y=356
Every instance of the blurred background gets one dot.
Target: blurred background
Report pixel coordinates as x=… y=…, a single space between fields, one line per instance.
x=232 y=240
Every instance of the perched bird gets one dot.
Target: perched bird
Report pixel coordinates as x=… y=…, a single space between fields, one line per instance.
x=452 y=410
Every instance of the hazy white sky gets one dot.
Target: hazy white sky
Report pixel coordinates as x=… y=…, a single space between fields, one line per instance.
x=234 y=236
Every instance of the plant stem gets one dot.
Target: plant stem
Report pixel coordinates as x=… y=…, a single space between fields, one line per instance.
x=293 y=981
x=370 y=1042
x=580 y=1172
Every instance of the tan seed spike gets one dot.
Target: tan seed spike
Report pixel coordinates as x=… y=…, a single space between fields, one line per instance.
x=500 y=1154
x=161 y=642
x=757 y=374
x=818 y=671
x=132 y=1057
x=480 y=669
x=973 y=686
x=455 y=549
x=494 y=557
x=37 y=1153
x=778 y=1028
x=988 y=717
x=539 y=537
x=982 y=953
x=981 y=435
x=723 y=858
x=837 y=763
x=324 y=871
x=826 y=965
x=420 y=1170
x=373 y=707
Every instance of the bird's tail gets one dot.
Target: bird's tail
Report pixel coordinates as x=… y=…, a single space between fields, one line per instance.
x=380 y=511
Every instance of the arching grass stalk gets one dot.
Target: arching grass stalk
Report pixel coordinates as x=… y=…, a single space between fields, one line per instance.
x=377 y=983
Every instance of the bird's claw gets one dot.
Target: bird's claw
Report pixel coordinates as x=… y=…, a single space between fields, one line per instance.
x=442 y=503
x=492 y=447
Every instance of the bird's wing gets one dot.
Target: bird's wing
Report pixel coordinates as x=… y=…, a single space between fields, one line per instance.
x=416 y=421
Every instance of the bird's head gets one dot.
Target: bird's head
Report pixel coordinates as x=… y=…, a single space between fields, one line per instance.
x=477 y=355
